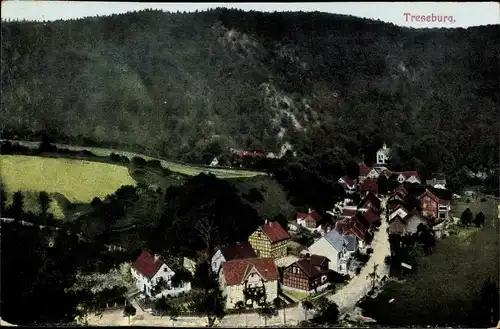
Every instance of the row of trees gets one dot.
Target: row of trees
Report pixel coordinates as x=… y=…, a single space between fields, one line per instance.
x=467 y=218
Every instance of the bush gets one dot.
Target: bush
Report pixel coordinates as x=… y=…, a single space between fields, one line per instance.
x=468 y=200
x=369 y=251
x=139 y=162
x=154 y=164
x=387 y=260
x=483 y=200
x=115 y=157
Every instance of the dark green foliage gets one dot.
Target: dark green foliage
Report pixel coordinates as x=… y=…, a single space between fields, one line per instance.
x=479 y=220
x=44 y=201
x=466 y=217
x=16 y=208
x=490 y=299
x=138 y=161
x=328 y=314
x=181 y=275
x=200 y=215
x=179 y=85
x=3 y=198
x=129 y=310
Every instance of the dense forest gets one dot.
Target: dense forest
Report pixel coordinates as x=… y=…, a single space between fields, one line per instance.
x=188 y=86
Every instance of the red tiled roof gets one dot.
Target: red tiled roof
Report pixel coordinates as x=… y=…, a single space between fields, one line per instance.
x=348 y=212
x=364 y=169
x=235 y=271
x=371 y=197
x=147 y=265
x=313 y=216
x=311 y=267
x=348 y=181
x=408 y=174
x=371 y=216
x=369 y=185
x=402 y=190
x=238 y=251
x=352 y=226
x=274 y=231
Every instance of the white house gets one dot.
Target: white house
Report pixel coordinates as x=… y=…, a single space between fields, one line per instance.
x=408 y=176
x=242 y=278
x=398 y=211
x=238 y=250
x=383 y=155
x=149 y=270
x=337 y=248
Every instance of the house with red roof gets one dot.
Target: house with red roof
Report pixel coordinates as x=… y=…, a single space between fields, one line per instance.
x=408 y=176
x=348 y=184
x=310 y=220
x=270 y=240
x=355 y=226
x=368 y=186
x=249 y=281
x=308 y=275
x=370 y=201
x=154 y=278
x=372 y=217
x=364 y=170
x=239 y=250
x=433 y=206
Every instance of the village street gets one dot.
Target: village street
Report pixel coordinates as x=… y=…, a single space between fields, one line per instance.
x=346 y=298
x=358 y=287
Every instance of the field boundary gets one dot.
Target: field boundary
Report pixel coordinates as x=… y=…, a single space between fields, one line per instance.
x=99 y=152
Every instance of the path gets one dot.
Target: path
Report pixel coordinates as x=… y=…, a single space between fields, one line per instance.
x=358 y=287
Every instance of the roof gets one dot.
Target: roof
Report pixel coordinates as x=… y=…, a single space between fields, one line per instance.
x=371 y=216
x=364 y=170
x=400 y=206
x=238 y=250
x=147 y=265
x=371 y=197
x=408 y=174
x=369 y=185
x=351 y=242
x=351 y=227
x=312 y=216
x=435 y=181
x=235 y=271
x=397 y=226
x=311 y=266
x=413 y=213
x=274 y=231
x=348 y=180
x=401 y=190
x=346 y=212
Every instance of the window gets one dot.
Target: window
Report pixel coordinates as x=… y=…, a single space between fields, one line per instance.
x=441 y=215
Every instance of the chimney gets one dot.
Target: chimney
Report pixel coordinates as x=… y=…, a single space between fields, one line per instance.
x=309 y=210
x=265 y=221
x=271 y=223
x=156 y=257
x=308 y=256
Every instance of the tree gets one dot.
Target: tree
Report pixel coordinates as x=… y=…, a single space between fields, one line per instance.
x=466 y=217
x=44 y=201
x=3 y=197
x=181 y=275
x=161 y=306
x=328 y=313
x=373 y=276
x=307 y=305
x=266 y=311
x=16 y=208
x=129 y=311
x=209 y=299
x=480 y=219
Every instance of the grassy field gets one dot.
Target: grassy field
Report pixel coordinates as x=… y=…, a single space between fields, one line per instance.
x=184 y=169
x=79 y=181
x=445 y=289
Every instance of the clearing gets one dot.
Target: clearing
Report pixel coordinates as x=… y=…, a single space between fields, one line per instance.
x=79 y=181
x=445 y=290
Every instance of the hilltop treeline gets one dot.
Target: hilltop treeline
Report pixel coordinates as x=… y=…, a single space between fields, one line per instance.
x=189 y=85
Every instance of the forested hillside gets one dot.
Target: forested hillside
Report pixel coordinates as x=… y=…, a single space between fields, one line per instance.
x=191 y=85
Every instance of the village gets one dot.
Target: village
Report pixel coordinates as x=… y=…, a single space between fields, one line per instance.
x=345 y=259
